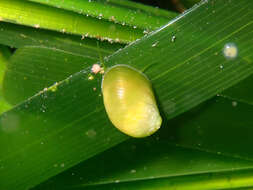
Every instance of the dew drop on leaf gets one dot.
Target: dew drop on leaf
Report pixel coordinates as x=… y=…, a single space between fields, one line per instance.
x=230 y=51
x=173 y=38
x=234 y=103
x=133 y=171
x=155 y=44
x=91 y=133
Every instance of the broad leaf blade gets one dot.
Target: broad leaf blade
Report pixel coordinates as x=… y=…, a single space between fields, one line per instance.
x=160 y=156
x=58 y=123
x=193 y=64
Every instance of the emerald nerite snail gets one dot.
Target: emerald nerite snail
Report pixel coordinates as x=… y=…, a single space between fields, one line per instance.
x=130 y=102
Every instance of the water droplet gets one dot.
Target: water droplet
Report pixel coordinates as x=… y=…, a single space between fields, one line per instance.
x=37 y=26
x=173 y=38
x=54 y=87
x=23 y=36
x=117 y=181
x=145 y=32
x=234 y=103
x=230 y=51
x=133 y=171
x=155 y=44
x=91 y=133
x=112 y=18
x=10 y=123
x=221 y=66
x=90 y=77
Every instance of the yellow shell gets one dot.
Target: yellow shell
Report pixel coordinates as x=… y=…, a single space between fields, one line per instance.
x=130 y=102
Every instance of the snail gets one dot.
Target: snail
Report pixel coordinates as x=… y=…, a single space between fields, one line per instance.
x=130 y=102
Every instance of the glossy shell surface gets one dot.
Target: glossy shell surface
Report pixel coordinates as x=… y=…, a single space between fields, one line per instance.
x=130 y=102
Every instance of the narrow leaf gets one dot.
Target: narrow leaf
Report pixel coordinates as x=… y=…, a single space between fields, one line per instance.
x=41 y=16
x=19 y=36
x=5 y=53
x=118 y=14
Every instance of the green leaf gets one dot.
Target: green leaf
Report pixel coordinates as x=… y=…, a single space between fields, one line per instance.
x=4 y=57
x=41 y=16
x=164 y=156
x=52 y=132
x=141 y=7
x=150 y=19
x=19 y=36
x=187 y=69
x=32 y=69
x=5 y=54
x=242 y=92
x=189 y=3
x=67 y=124
x=215 y=128
x=136 y=160
x=221 y=180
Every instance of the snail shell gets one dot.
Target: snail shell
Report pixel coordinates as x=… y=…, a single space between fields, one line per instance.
x=130 y=102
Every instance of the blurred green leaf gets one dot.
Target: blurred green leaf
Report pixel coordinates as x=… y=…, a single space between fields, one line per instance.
x=20 y=36
x=4 y=57
x=221 y=180
x=31 y=69
x=67 y=124
x=5 y=54
x=189 y=3
x=242 y=92
x=147 y=19
x=41 y=16
x=141 y=7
